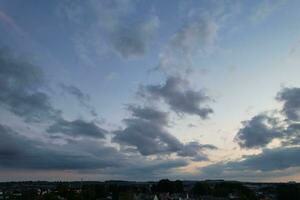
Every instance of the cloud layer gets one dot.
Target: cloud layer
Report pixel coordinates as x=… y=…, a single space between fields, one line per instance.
x=77 y=128
x=84 y=42
x=81 y=145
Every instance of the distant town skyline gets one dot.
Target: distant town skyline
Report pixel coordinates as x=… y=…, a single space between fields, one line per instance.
x=146 y=90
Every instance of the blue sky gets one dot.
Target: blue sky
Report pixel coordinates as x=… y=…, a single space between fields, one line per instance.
x=176 y=89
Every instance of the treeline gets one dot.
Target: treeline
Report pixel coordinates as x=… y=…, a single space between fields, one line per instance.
x=166 y=185
x=223 y=189
x=288 y=192
x=99 y=190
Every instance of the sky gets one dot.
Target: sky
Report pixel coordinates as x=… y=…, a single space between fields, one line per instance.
x=145 y=90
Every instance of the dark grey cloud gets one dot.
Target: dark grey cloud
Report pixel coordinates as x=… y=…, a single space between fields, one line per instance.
x=258 y=132
x=273 y=159
x=10 y=144
x=20 y=152
x=139 y=168
x=77 y=128
x=290 y=97
x=149 y=114
x=177 y=93
x=86 y=156
x=20 y=84
x=146 y=131
x=269 y=161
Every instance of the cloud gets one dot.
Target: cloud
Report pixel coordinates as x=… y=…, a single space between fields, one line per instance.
x=154 y=169
x=77 y=156
x=177 y=93
x=10 y=143
x=149 y=114
x=20 y=84
x=258 y=132
x=192 y=149
x=273 y=159
x=77 y=128
x=290 y=97
x=269 y=163
x=292 y=134
x=20 y=152
x=146 y=131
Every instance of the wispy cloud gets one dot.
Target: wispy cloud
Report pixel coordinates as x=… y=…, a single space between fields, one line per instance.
x=111 y=28
x=265 y=9
x=7 y=20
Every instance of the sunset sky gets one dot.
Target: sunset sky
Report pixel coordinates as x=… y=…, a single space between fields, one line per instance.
x=145 y=90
